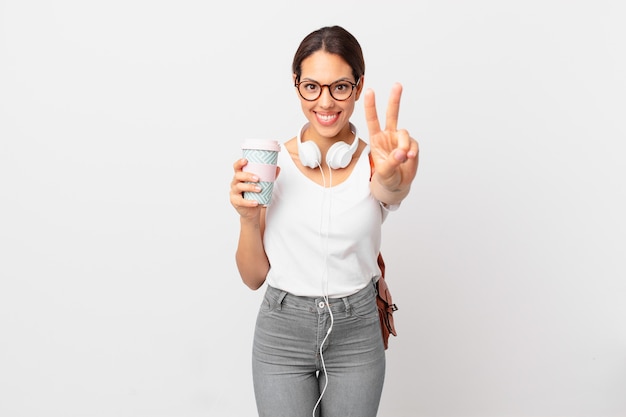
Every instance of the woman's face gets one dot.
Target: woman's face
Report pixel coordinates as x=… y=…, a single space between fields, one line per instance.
x=327 y=115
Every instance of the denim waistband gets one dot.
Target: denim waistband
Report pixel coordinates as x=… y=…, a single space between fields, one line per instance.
x=320 y=304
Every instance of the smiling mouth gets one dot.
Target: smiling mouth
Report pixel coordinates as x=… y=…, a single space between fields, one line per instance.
x=327 y=118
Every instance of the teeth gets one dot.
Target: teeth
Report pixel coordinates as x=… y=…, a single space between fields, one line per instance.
x=327 y=117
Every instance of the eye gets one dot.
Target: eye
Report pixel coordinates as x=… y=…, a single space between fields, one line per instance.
x=342 y=87
x=309 y=87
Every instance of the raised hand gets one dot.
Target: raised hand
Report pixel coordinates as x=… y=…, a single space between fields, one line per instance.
x=394 y=152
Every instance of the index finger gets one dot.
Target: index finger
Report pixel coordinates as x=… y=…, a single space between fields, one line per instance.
x=393 y=107
x=371 y=117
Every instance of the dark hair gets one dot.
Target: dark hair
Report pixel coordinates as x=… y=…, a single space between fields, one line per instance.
x=334 y=40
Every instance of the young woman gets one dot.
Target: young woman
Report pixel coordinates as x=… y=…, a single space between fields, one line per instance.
x=317 y=346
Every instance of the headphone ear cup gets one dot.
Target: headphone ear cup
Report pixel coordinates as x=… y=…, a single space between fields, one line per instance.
x=309 y=154
x=339 y=155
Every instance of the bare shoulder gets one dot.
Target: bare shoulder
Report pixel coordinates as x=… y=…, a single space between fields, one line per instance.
x=291 y=146
x=359 y=150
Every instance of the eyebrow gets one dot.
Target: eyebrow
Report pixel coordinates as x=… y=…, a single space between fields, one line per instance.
x=315 y=81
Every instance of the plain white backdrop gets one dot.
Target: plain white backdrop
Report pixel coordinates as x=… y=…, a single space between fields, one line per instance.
x=119 y=124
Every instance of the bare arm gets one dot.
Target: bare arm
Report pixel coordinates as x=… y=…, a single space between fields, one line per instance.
x=250 y=256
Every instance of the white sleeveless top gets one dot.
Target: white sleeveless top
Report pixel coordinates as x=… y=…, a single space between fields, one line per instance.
x=322 y=241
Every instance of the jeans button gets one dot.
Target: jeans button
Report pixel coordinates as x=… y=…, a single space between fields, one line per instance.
x=321 y=304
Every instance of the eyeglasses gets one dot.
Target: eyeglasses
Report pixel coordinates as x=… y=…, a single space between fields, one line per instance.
x=339 y=90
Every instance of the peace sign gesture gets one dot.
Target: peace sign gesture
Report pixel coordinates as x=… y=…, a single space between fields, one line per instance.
x=394 y=152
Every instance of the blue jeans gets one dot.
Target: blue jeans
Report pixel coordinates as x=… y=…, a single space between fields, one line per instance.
x=288 y=370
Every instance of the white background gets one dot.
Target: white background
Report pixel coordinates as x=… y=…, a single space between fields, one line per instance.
x=119 y=124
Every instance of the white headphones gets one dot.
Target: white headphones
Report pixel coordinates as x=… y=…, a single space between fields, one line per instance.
x=338 y=156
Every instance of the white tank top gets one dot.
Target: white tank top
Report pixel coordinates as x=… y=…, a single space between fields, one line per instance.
x=320 y=240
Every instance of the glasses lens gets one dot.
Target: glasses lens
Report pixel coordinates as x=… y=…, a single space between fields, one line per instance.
x=341 y=90
x=309 y=90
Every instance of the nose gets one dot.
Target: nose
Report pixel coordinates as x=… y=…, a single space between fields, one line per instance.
x=325 y=99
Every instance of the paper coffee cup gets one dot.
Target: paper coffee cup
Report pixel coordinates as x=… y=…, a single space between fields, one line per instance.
x=262 y=156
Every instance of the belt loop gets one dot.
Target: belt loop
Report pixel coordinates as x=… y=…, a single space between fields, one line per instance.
x=375 y=285
x=346 y=303
x=279 y=300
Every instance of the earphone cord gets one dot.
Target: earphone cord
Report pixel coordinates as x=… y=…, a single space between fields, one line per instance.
x=325 y=276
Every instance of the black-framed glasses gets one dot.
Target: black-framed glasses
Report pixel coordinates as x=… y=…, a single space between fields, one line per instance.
x=312 y=90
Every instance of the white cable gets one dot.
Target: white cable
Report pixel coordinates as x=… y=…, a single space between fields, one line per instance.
x=325 y=276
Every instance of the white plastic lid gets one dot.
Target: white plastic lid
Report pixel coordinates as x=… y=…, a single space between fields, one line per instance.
x=262 y=144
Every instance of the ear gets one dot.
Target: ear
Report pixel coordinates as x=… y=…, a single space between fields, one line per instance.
x=294 y=79
x=359 y=88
